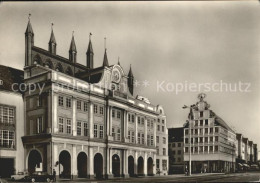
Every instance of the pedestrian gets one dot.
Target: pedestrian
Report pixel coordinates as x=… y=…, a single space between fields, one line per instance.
x=186 y=170
x=54 y=175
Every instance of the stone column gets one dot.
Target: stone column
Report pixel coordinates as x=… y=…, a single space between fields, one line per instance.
x=74 y=169
x=125 y=165
x=90 y=162
x=74 y=119
x=145 y=132
x=90 y=119
x=154 y=163
x=154 y=133
x=145 y=163
x=136 y=163
x=108 y=120
x=136 y=129
x=54 y=112
x=49 y=113
x=55 y=158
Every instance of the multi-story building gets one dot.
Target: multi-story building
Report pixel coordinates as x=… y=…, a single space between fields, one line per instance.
x=176 y=150
x=246 y=152
x=11 y=122
x=212 y=140
x=84 y=121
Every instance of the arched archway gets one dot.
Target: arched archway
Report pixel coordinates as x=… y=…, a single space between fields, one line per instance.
x=69 y=71
x=150 y=166
x=34 y=161
x=140 y=167
x=131 y=166
x=48 y=64
x=59 y=68
x=37 y=59
x=65 y=164
x=98 y=165
x=82 y=162
x=116 y=165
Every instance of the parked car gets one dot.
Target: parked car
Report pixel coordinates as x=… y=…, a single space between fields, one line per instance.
x=39 y=177
x=20 y=176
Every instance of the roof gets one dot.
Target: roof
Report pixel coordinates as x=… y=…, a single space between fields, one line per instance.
x=90 y=49
x=29 y=28
x=219 y=121
x=175 y=134
x=52 y=38
x=9 y=76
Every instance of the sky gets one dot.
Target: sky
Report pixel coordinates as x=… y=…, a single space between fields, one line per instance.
x=166 y=43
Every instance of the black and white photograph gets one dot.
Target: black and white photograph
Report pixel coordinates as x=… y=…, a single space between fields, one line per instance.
x=129 y=91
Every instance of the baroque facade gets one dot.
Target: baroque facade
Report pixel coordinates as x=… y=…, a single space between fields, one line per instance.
x=84 y=121
x=213 y=142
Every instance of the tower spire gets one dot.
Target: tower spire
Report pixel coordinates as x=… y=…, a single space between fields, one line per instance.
x=90 y=54
x=130 y=81
x=29 y=42
x=52 y=42
x=29 y=26
x=73 y=50
x=105 y=60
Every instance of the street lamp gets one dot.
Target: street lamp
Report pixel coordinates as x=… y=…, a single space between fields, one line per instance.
x=191 y=107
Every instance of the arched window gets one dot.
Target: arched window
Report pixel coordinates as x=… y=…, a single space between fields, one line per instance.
x=37 y=59
x=48 y=64
x=69 y=71
x=59 y=68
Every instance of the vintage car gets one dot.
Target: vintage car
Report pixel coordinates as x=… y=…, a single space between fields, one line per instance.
x=39 y=177
x=19 y=176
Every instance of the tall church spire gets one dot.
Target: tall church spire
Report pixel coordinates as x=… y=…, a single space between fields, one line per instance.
x=73 y=50
x=130 y=81
x=29 y=42
x=52 y=42
x=105 y=60
x=90 y=54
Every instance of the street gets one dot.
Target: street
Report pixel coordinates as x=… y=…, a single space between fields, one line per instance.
x=235 y=177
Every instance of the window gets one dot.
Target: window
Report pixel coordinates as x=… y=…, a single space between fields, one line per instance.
x=79 y=128
x=191 y=140
x=101 y=110
x=201 y=122
x=216 y=129
x=39 y=101
x=68 y=126
x=148 y=123
x=186 y=132
x=162 y=128
x=164 y=164
x=96 y=131
x=211 y=139
x=196 y=131
x=148 y=140
x=157 y=139
x=61 y=125
x=162 y=121
x=201 y=114
x=206 y=139
x=211 y=130
x=6 y=115
x=79 y=105
x=164 y=140
x=85 y=128
x=151 y=140
x=186 y=140
x=216 y=139
x=118 y=114
x=101 y=131
x=196 y=149
x=158 y=127
x=201 y=131
x=139 y=138
x=164 y=151
x=113 y=133
x=95 y=109
x=39 y=125
x=186 y=149
x=142 y=138
x=206 y=130
x=179 y=152
x=129 y=134
x=206 y=149
x=85 y=106
x=152 y=124
x=179 y=144
x=196 y=140
x=201 y=139
x=157 y=163
x=129 y=117
x=60 y=101
x=68 y=102
x=133 y=137
x=211 y=148
x=142 y=121
x=201 y=148
x=158 y=120
x=133 y=118
x=6 y=139
x=139 y=120
x=118 y=134
x=206 y=122
x=173 y=144
x=216 y=148
x=196 y=123
x=113 y=113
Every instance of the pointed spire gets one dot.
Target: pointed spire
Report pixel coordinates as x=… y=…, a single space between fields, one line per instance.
x=52 y=38
x=105 y=61
x=90 y=49
x=90 y=54
x=118 y=63
x=29 y=26
x=130 y=74
x=72 y=44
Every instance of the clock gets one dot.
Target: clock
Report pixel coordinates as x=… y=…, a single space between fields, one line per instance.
x=116 y=75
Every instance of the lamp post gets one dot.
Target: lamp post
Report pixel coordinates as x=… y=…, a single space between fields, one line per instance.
x=191 y=107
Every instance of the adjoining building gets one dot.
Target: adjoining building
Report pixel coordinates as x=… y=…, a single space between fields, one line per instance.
x=84 y=121
x=246 y=153
x=11 y=122
x=176 y=150
x=212 y=140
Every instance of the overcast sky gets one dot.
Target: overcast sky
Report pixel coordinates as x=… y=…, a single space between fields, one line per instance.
x=171 y=42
